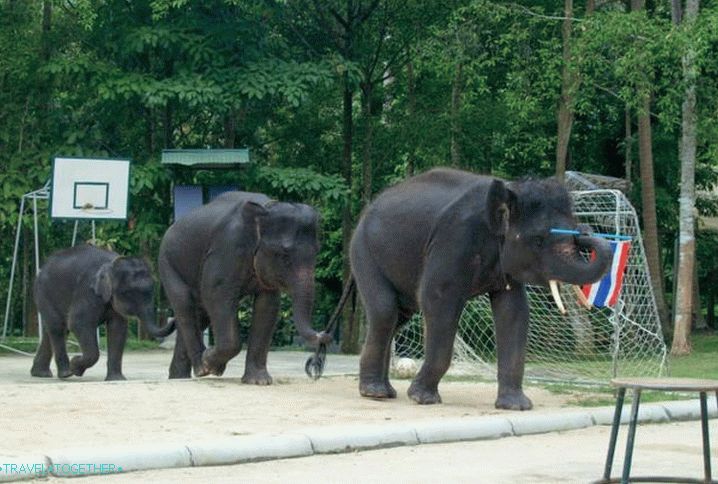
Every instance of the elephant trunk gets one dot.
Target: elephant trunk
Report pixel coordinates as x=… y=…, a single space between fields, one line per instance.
x=302 y=293
x=148 y=320
x=573 y=268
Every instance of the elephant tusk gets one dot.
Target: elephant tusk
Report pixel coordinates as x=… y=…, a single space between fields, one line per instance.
x=582 y=297
x=556 y=295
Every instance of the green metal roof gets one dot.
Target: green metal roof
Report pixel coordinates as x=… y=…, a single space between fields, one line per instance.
x=205 y=158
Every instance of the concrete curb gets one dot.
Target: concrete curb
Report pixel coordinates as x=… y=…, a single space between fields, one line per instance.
x=689 y=409
x=35 y=465
x=460 y=429
x=328 y=440
x=66 y=463
x=249 y=448
x=646 y=413
x=348 y=438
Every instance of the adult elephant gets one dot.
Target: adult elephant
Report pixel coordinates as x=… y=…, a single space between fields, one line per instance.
x=77 y=289
x=435 y=240
x=240 y=244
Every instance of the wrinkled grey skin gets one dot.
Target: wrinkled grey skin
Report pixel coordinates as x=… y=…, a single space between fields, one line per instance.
x=79 y=288
x=240 y=244
x=442 y=237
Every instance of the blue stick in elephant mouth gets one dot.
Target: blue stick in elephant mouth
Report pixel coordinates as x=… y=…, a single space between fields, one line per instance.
x=603 y=236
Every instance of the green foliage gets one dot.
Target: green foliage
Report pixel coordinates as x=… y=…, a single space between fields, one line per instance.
x=113 y=78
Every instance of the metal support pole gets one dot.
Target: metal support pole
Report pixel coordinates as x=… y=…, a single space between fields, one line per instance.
x=74 y=233
x=94 y=241
x=37 y=258
x=12 y=267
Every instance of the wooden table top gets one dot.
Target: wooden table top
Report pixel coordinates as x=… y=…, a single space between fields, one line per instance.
x=668 y=384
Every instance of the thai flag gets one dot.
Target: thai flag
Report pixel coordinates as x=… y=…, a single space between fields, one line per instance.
x=605 y=292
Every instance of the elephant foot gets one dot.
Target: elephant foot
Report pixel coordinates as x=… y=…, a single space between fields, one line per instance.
x=514 y=400
x=198 y=370
x=176 y=373
x=377 y=390
x=76 y=366
x=216 y=370
x=41 y=372
x=115 y=377
x=210 y=367
x=422 y=395
x=64 y=373
x=257 y=377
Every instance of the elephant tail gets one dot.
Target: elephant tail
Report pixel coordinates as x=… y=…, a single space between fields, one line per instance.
x=314 y=366
x=165 y=330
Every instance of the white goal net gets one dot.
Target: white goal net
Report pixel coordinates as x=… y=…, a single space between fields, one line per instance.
x=583 y=345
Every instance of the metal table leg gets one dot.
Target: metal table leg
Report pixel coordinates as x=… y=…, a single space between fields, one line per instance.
x=631 y=435
x=614 y=433
x=706 y=438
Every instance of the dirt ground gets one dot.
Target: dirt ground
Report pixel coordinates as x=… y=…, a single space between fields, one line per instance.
x=39 y=415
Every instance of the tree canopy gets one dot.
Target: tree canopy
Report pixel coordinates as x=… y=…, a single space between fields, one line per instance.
x=340 y=98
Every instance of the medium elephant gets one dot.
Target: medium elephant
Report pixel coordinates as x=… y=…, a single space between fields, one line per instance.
x=77 y=289
x=435 y=240
x=240 y=244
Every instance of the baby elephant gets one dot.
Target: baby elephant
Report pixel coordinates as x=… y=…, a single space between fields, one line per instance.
x=76 y=290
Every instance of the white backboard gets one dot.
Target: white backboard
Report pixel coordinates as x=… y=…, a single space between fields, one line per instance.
x=86 y=188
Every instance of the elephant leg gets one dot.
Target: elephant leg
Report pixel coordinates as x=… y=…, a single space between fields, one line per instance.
x=511 y=321
x=223 y=317
x=382 y=310
x=57 y=333
x=87 y=337
x=41 y=363
x=116 y=338
x=403 y=318
x=441 y=313
x=181 y=366
x=265 y=313
x=391 y=392
x=188 y=327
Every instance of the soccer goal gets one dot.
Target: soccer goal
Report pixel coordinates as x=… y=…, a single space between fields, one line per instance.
x=582 y=345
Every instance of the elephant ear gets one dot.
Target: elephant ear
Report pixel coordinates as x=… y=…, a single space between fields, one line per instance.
x=102 y=285
x=500 y=203
x=252 y=212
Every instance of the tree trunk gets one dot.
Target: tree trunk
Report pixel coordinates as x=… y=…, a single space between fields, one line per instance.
x=711 y=315
x=628 y=146
x=367 y=169
x=46 y=27
x=565 y=109
x=699 y=320
x=167 y=129
x=150 y=130
x=411 y=95
x=456 y=94
x=350 y=333
x=44 y=82
x=676 y=12
x=230 y=129
x=648 y=199
x=683 y=299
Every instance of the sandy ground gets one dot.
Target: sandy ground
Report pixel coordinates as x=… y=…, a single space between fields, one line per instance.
x=39 y=415
x=577 y=456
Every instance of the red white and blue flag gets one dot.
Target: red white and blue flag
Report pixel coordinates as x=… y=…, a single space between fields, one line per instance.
x=605 y=292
